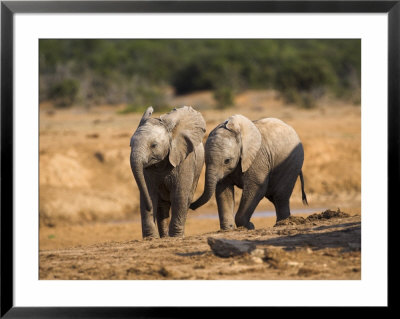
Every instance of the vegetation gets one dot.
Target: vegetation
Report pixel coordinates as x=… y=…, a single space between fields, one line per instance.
x=144 y=96
x=139 y=72
x=224 y=97
x=64 y=93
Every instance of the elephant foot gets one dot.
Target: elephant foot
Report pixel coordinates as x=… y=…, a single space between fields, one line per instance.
x=176 y=230
x=151 y=237
x=250 y=226
x=149 y=232
x=177 y=235
x=227 y=227
x=163 y=233
x=283 y=218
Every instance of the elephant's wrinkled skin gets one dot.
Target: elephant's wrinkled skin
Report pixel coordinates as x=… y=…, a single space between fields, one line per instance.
x=167 y=155
x=263 y=158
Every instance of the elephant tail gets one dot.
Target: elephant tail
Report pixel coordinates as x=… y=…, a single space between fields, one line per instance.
x=303 y=193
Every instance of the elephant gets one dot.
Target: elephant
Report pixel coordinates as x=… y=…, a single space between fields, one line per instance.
x=262 y=157
x=167 y=156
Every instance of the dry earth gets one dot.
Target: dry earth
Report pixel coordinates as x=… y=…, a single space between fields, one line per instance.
x=88 y=200
x=320 y=246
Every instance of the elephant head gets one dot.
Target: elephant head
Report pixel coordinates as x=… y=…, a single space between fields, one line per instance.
x=174 y=134
x=235 y=141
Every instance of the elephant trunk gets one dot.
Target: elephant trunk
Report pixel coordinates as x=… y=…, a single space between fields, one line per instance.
x=209 y=190
x=137 y=170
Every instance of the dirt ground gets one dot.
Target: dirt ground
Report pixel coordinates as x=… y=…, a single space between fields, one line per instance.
x=319 y=246
x=88 y=200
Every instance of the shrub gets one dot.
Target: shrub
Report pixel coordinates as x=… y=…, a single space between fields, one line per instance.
x=64 y=93
x=303 y=80
x=224 y=97
x=146 y=96
x=105 y=68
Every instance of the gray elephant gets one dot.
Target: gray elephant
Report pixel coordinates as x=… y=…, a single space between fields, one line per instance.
x=167 y=155
x=263 y=158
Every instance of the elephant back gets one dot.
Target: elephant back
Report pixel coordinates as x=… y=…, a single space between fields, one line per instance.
x=278 y=137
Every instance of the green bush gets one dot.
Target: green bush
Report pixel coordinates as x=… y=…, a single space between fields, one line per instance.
x=146 y=96
x=133 y=108
x=299 y=69
x=64 y=93
x=224 y=97
x=304 y=79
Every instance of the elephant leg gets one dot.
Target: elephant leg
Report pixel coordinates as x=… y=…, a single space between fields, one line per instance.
x=281 y=195
x=162 y=217
x=251 y=196
x=179 y=208
x=178 y=218
x=224 y=195
x=147 y=216
x=282 y=208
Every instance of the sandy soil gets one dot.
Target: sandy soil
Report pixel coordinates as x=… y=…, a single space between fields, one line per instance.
x=322 y=247
x=88 y=200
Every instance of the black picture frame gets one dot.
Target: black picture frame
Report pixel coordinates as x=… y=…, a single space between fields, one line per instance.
x=9 y=8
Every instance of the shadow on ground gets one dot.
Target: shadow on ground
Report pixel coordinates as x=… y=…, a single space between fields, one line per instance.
x=348 y=236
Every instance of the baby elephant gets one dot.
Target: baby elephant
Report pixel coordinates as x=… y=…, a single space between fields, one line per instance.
x=167 y=155
x=263 y=158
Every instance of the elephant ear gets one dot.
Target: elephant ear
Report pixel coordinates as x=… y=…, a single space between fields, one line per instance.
x=250 y=138
x=187 y=128
x=146 y=115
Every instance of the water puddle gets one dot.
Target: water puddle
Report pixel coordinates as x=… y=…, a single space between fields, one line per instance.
x=268 y=213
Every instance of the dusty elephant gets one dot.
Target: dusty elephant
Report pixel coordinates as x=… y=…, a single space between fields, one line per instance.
x=263 y=158
x=167 y=155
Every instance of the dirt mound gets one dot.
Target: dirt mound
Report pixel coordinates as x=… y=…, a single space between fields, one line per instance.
x=328 y=214
x=291 y=220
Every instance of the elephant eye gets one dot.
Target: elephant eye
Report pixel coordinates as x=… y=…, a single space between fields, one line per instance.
x=227 y=161
x=154 y=145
